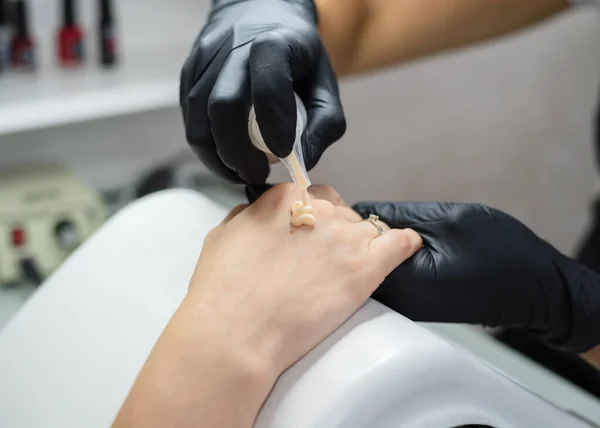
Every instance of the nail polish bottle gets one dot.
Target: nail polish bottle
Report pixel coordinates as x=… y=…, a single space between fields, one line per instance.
x=107 y=36
x=5 y=36
x=22 y=46
x=70 y=37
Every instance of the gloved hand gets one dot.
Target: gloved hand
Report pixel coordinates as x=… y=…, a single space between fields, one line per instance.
x=258 y=52
x=482 y=266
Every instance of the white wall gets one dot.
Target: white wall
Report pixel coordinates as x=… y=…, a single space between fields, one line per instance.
x=508 y=124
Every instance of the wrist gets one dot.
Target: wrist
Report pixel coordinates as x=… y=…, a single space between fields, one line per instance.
x=196 y=328
x=310 y=5
x=194 y=375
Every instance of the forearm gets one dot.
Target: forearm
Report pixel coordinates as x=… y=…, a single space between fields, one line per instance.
x=361 y=35
x=191 y=379
x=593 y=357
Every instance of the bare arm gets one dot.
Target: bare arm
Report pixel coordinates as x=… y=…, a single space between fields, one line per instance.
x=244 y=322
x=194 y=378
x=362 y=35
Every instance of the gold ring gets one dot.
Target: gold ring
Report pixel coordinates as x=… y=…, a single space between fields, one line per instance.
x=374 y=220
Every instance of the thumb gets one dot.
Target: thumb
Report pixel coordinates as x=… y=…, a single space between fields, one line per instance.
x=278 y=58
x=325 y=114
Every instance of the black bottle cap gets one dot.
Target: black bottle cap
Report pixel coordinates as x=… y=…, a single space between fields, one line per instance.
x=3 y=12
x=20 y=18
x=69 y=11
x=106 y=13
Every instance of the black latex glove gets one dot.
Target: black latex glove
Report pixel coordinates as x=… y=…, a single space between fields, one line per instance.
x=255 y=192
x=482 y=266
x=258 y=52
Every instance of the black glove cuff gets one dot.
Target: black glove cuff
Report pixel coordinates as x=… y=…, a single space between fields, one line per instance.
x=582 y=287
x=311 y=5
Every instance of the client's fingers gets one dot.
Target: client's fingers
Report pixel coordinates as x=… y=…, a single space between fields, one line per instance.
x=327 y=193
x=234 y=212
x=349 y=214
x=278 y=198
x=395 y=246
x=368 y=229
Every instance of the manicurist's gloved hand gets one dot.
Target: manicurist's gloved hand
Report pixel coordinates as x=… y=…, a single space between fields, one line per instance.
x=482 y=266
x=258 y=52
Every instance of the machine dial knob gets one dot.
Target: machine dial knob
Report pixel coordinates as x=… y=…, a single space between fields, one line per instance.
x=67 y=235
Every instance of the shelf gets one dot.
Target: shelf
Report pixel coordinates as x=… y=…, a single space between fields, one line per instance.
x=53 y=97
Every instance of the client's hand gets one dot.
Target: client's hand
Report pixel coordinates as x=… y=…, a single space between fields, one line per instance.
x=275 y=291
x=263 y=294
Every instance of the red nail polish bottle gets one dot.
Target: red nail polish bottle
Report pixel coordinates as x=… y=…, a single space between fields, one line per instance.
x=22 y=47
x=106 y=30
x=70 y=38
x=5 y=36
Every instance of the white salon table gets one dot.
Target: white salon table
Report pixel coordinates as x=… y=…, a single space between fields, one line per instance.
x=70 y=355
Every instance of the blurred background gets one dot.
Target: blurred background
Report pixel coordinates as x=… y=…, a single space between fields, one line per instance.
x=508 y=124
